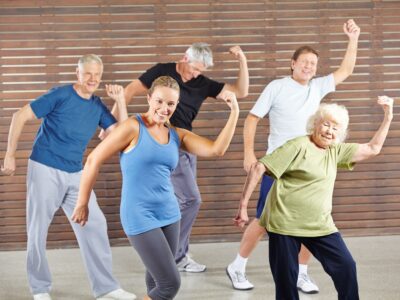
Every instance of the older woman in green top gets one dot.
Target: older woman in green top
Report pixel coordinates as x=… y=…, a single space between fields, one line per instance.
x=299 y=205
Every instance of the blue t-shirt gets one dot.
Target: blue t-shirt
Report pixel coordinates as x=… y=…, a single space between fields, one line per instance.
x=148 y=200
x=69 y=122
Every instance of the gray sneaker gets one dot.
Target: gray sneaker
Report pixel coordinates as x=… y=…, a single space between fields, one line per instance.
x=187 y=264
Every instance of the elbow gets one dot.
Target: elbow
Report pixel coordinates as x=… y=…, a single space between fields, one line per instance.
x=259 y=169
x=19 y=116
x=242 y=94
x=350 y=71
x=375 y=150
x=219 y=152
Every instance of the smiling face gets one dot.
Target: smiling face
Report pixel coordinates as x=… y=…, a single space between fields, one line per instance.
x=162 y=104
x=326 y=132
x=304 y=67
x=89 y=78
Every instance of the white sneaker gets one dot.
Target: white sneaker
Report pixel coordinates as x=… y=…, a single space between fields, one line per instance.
x=306 y=284
x=187 y=264
x=118 y=294
x=238 y=279
x=42 y=296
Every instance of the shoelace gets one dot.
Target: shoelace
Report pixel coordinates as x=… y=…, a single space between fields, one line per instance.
x=241 y=277
x=306 y=278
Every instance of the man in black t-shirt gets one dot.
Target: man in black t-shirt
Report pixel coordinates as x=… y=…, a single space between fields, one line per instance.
x=194 y=89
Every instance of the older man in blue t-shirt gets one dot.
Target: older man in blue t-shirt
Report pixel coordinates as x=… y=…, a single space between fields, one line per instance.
x=71 y=115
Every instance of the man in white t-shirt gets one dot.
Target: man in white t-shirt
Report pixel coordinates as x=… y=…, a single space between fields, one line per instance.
x=289 y=101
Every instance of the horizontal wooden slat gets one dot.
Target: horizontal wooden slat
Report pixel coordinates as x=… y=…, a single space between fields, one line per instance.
x=41 y=41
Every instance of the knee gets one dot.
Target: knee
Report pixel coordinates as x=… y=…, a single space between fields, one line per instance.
x=171 y=288
x=347 y=266
x=350 y=265
x=97 y=220
x=189 y=203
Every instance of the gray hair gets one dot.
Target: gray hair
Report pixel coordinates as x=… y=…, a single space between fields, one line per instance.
x=88 y=58
x=334 y=111
x=200 y=52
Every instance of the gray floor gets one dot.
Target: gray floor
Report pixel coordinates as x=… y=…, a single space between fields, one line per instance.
x=378 y=263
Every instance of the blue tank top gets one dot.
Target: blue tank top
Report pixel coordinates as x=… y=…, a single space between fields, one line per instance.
x=148 y=200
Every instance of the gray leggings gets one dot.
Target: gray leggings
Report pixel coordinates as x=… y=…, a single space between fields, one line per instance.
x=156 y=249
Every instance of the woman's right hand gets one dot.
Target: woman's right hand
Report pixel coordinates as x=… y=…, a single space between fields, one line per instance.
x=230 y=99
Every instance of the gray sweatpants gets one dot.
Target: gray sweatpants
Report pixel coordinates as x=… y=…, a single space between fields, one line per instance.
x=48 y=189
x=187 y=192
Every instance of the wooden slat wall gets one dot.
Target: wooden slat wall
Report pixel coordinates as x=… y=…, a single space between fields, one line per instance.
x=41 y=40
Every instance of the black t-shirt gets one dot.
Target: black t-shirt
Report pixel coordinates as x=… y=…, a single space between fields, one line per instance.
x=192 y=92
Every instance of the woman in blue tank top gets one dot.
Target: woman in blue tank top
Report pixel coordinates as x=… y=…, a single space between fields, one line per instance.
x=149 y=153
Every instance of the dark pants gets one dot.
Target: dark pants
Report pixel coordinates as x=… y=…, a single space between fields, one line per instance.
x=266 y=184
x=331 y=252
x=156 y=248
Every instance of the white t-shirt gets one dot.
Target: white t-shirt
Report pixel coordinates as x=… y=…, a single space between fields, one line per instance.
x=289 y=105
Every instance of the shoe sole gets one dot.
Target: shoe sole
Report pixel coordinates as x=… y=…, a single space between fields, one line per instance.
x=187 y=271
x=230 y=278
x=308 y=293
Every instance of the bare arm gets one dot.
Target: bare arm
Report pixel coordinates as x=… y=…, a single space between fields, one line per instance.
x=241 y=86
x=18 y=121
x=249 y=133
x=253 y=177
x=116 y=92
x=116 y=141
x=205 y=147
x=119 y=109
x=346 y=68
x=374 y=146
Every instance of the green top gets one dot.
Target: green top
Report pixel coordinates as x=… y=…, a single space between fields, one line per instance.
x=300 y=200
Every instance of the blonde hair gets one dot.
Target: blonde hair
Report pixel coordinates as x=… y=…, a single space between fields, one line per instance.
x=333 y=111
x=88 y=58
x=165 y=81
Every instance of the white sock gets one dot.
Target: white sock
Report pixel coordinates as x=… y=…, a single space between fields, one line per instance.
x=239 y=263
x=303 y=269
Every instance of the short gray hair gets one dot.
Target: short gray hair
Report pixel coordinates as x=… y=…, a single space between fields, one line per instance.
x=88 y=58
x=335 y=111
x=200 y=52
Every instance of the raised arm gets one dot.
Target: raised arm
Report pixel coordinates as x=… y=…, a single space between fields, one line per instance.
x=249 y=133
x=346 y=68
x=135 y=88
x=205 y=147
x=116 y=92
x=119 y=111
x=253 y=177
x=374 y=146
x=241 y=86
x=18 y=121
x=117 y=140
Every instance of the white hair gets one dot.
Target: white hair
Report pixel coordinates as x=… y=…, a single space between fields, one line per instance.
x=200 y=52
x=333 y=111
x=88 y=58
